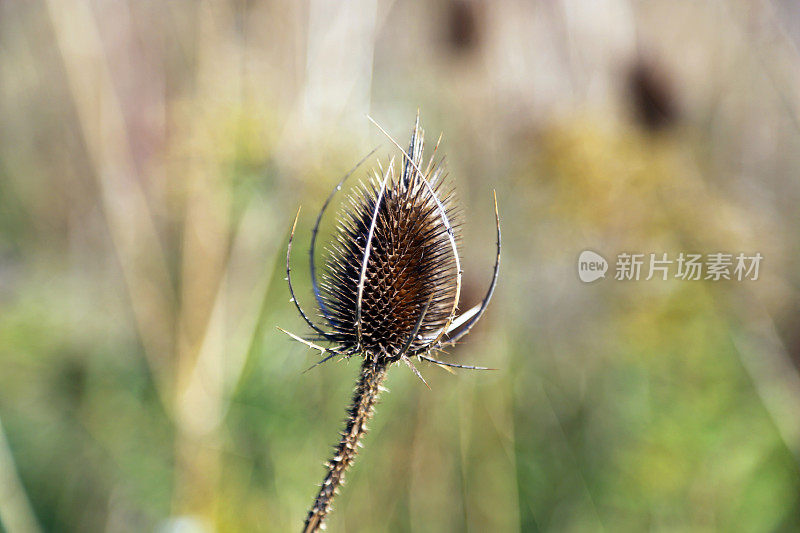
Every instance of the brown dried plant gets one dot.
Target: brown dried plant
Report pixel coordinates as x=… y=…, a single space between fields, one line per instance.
x=390 y=289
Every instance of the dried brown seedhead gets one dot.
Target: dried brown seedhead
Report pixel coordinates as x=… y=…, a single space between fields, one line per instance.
x=390 y=288
x=411 y=262
x=392 y=280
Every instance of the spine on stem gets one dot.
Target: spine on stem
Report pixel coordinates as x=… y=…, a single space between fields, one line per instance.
x=365 y=396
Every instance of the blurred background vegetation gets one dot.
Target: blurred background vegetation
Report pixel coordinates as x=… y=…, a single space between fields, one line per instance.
x=152 y=156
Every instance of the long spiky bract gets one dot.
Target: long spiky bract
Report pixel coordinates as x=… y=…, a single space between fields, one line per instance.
x=390 y=288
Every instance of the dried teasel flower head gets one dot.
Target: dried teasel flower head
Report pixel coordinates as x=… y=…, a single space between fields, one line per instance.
x=404 y=223
x=390 y=289
x=392 y=278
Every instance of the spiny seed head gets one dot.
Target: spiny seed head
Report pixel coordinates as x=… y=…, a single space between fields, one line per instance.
x=390 y=289
x=403 y=224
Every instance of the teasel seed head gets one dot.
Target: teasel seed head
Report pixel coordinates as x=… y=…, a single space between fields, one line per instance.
x=390 y=289
x=392 y=282
x=404 y=222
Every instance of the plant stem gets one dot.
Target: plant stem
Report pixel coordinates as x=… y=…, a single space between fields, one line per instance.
x=365 y=396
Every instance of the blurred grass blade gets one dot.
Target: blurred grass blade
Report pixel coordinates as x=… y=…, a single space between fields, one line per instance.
x=16 y=514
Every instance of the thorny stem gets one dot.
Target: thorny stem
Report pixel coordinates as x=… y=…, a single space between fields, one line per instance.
x=365 y=396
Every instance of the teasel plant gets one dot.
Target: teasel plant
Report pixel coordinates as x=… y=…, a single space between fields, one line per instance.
x=390 y=288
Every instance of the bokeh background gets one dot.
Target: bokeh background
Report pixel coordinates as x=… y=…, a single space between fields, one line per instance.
x=152 y=158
